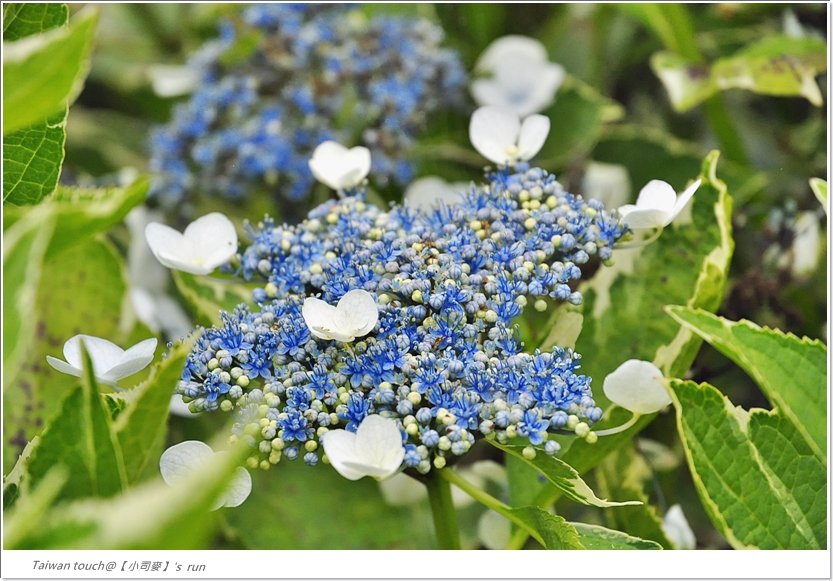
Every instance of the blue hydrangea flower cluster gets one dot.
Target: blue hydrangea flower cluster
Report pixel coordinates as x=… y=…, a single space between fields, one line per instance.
x=317 y=72
x=445 y=359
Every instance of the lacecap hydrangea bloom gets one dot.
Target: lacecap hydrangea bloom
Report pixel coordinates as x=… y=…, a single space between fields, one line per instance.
x=443 y=359
x=312 y=73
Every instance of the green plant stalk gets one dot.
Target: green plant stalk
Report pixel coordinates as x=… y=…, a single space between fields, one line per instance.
x=442 y=510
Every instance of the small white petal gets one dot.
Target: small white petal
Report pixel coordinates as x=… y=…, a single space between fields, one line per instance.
x=207 y=243
x=103 y=353
x=638 y=219
x=379 y=444
x=682 y=200
x=173 y=80
x=493 y=132
x=428 y=193
x=340 y=448
x=512 y=48
x=677 y=529
x=63 y=366
x=637 y=386
x=533 y=134
x=657 y=195
x=360 y=312
x=607 y=182
x=319 y=317
x=181 y=459
x=807 y=245
x=494 y=530
x=238 y=490
x=337 y=167
x=402 y=490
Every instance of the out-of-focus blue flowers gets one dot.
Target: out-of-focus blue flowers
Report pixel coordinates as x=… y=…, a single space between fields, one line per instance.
x=444 y=360
x=314 y=73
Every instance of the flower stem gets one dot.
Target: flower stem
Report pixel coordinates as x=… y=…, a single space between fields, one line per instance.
x=442 y=509
x=622 y=428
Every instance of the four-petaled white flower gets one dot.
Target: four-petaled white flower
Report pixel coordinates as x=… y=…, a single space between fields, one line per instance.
x=521 y=77
x=656 y=206
x=637 y=386
x=375 y=449
x=206 y=243
x=183 y=459
x=426 y=194
x=340 y=168
x=676 y=528
x=110 y=362
x=355 y=315
x=500 y=137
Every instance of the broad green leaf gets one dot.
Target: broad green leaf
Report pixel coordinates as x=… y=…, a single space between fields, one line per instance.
x=24 y=246
x=778 y=65
x=21 y=20
x=141 y=423
x=32 y=159
x=744 y=469
x=523 y=481
x=594 y=537
x=208 y=296
x=623 y=474
x=791 y=372
x=84 y=292
x=562 y=476
x=81 y=438
x=43 y=74
x=296 y=495
x=819 y=187
x=623 y=304
x=152 y=515
x=550 y=530
x=671 y=23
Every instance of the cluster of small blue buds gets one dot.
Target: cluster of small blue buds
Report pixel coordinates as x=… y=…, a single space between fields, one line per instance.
x=311 y=73
x=445 y=359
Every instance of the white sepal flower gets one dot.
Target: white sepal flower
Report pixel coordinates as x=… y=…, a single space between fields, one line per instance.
x=355 y=315
x=676 y=528
x=499 y=136
x=340 y=168
x=183 y=459
x=521 y=77
x=637 y=386
x=426 y=194
x=110 y=362
x=206 y=243
x=375 y=449
x=607 y=182
x=173 y=80
x=656 y=206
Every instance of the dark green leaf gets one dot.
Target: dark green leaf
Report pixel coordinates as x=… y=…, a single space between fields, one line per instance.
x=32 y=159
x=21 y=20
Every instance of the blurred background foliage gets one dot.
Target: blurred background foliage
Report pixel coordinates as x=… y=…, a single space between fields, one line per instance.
x=613 y=108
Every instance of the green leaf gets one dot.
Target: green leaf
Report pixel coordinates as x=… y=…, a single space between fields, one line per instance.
x=819 y=187
x=94 y=272
x=150 y=516
x=43 y=74
x=296 y=495
x=24 y=246
x=141 y=424
x=595 y=537
x=208 y=296
x=581 y=112
x=778 y=65
x=791 y=372
x=81 y=438
x=84 y=212
x=32 y=159
x=562 y=476
x=21 y=20
x=550 y=530
x=24 y=518
x=623 y=304
x=760 y=483
x=623 y=474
